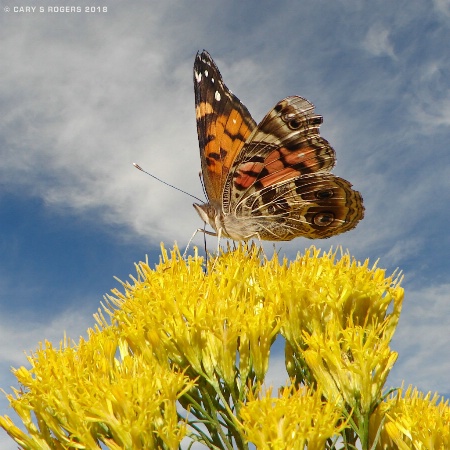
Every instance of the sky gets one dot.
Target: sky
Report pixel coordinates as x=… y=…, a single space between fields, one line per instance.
x=83 y=95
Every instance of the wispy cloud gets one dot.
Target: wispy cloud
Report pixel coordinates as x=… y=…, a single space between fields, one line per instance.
x=377 y=41
x=431 y=103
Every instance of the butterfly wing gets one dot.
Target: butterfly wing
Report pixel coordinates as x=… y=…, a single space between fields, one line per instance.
x=223 y=125
x=280 y=181
x=285 y=145
x=315 y=206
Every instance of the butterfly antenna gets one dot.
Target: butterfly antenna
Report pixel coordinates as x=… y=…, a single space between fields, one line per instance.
x=168 y=184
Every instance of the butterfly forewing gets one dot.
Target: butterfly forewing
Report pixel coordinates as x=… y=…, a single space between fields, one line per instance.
x=223 y=124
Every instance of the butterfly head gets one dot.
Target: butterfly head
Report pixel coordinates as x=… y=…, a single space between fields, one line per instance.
x=208 y=213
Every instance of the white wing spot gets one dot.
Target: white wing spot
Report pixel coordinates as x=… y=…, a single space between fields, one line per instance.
x=217 y=96
x=212 y=80
x=206 y=73
x=198 y=77
x=234 y=120
x=300 y=155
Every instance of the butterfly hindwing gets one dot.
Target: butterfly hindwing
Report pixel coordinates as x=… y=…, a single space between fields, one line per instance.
x=313 y=205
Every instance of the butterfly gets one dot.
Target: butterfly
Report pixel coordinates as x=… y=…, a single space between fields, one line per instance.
x=269 y=181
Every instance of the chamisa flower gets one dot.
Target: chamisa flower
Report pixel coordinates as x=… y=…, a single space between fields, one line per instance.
x=180 y=353
x=412 y=420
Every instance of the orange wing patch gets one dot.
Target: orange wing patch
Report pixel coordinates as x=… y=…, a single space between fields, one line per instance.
x=226 y=136
x=282 y=175
x=202 y=109
x=279 y=165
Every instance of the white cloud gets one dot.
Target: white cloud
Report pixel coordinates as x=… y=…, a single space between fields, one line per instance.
x=77 y=115
x=432 y=113
x=430 y=96
x=377 y=41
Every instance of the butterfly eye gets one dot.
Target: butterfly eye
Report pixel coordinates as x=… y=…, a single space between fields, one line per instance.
x=324 y=194
x=323 y=219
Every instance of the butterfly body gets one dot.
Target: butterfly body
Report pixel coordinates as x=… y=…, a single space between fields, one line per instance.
x=229 y=225
x=270 y=181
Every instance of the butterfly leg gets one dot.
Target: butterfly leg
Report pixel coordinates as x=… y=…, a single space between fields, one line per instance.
x=189 y=242
x=256 y=236
x=262 y=247
x=219 y=235
x=210 y=233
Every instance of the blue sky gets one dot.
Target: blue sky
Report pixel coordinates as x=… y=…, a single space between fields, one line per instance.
x=83 y=95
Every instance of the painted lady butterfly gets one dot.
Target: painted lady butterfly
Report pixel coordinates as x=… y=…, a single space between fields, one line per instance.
x=270 y=181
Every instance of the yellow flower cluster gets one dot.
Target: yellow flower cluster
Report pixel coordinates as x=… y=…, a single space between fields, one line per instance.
x=182 y=352
x=412 y=421
x=296 y=419
x=220 y=325
x=97 y=392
